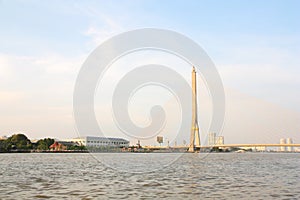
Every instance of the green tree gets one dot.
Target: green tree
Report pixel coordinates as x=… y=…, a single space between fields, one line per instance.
x=76 y=147
x=18 y=142
x=44 y=144
x=3 y=146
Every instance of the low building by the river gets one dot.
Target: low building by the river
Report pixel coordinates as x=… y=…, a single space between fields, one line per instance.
x=61 y=145
x=93 y=141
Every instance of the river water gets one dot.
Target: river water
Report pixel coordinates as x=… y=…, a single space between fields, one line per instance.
x=150 y=176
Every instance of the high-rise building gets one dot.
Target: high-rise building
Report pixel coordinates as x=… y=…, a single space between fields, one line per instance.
x=289 y=141
x=211 y=139
x=219 y=140
x=282 y=141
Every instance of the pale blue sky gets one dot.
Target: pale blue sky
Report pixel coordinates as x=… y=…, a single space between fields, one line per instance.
x=254 y=44
x=59 y=26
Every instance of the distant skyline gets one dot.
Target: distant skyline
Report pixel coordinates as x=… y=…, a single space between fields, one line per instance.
x=255 y=45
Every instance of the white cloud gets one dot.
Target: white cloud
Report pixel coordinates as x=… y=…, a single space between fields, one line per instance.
x=258 y=74
x=264 y=67
x=99 y=35
x=102 y=28
x=5 y=70
x=56 y=64
x=10 y=97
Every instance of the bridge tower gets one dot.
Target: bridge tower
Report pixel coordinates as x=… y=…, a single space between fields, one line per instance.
x=195 y=137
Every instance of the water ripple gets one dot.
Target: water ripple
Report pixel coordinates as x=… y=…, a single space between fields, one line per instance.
x=217 y=176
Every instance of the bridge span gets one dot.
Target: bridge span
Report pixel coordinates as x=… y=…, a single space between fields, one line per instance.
x=253 y=145
x=221 y=146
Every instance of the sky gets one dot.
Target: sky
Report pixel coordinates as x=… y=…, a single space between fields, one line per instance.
x=255 y=46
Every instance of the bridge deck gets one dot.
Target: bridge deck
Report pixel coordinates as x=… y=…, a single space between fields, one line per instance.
x=225 y=146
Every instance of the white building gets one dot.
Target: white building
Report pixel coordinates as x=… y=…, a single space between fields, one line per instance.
x=289 y=141
x=92 y=141
x=282 y=141
x=219 y=140
x=211 y=139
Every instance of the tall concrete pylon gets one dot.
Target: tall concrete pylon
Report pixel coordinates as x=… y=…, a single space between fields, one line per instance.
x=195 y=137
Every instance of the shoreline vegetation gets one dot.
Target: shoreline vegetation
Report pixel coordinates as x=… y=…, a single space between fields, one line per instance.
x=19 y=143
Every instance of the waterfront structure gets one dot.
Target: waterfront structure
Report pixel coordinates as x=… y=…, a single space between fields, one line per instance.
x=160 y=139
x=261 y=149
x=289 y=141
x=58 y=146
x=92 y=141
x=282 y=141
x=195 y=137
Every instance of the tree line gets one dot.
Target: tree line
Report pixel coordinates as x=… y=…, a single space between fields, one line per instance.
x=19 y=142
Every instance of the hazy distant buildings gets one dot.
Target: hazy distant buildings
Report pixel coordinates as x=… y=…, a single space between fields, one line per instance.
x=219 y=140
x=213 y=139
x=282 y=141
x=286 y=141
x=289 y=141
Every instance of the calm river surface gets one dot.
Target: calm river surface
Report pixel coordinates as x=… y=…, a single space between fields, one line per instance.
x=150 y=176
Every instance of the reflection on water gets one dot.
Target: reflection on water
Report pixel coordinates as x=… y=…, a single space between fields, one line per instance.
x=81 y=176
